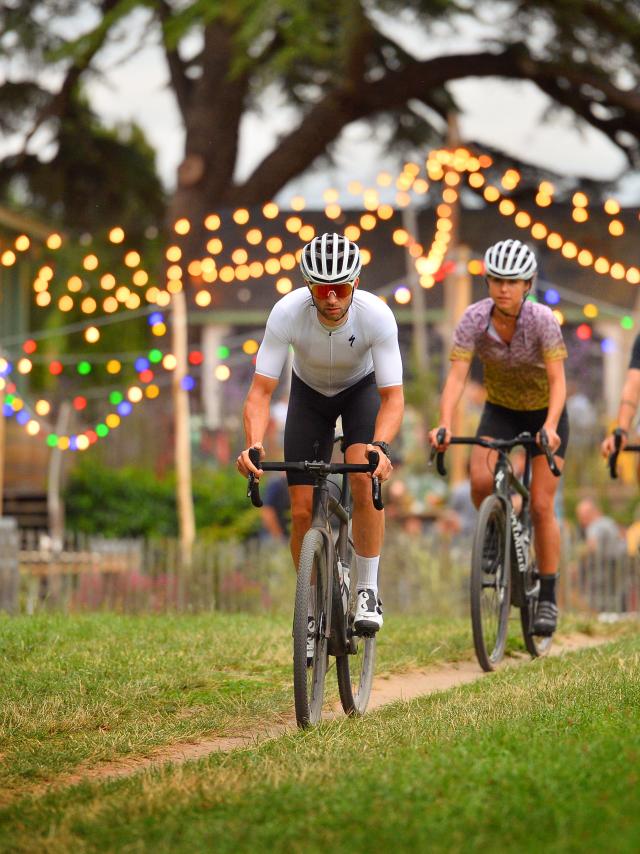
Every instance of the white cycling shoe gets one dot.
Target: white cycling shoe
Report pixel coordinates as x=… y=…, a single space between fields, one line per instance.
x=368 y=618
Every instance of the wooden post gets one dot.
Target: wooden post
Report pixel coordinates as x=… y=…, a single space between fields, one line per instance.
x=3 y=432
x=418 y=298
x=184 y=492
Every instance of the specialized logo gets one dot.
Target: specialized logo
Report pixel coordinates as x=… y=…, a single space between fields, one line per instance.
x=516 y=529
x=352 y=339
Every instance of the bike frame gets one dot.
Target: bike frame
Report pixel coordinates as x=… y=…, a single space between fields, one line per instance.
x=324 y=505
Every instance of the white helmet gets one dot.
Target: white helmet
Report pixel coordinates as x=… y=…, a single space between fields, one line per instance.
x=510 y=259
x=330 y=259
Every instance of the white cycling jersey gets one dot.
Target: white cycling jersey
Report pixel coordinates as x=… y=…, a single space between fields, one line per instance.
x=330 y=360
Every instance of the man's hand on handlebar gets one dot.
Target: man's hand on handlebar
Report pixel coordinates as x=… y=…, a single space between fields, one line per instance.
x=440 y=437
x=244 y=464
x=384 y=468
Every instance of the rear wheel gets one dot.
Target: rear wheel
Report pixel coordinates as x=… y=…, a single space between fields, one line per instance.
x=309 y=675
x=490 y=583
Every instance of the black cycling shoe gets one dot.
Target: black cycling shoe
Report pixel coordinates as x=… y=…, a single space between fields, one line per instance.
x=490 y=557
x=546 y=619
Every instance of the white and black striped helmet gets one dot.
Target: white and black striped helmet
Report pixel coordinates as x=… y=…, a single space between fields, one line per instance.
x=330 y=259
x=510 y=259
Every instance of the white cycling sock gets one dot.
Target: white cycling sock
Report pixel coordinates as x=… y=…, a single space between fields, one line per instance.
x=367 y=571
x=312 y=601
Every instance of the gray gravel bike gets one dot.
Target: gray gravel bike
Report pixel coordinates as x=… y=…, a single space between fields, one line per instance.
x=324 y=582
x=503 y=566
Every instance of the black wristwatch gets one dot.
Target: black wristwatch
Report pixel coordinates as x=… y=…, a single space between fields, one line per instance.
x=384 y=447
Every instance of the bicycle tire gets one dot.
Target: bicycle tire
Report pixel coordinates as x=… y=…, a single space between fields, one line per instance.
x=308 y=682
x=537 y=645
x=490 y=611
x=355 y=670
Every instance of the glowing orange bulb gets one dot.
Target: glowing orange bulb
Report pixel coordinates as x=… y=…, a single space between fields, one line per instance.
x=116 y=235
x=202 y=298
x=212 y=222
x=54 y=241
x=284 y=285
x=241 y=216
x=182 y=226
x=274 y=244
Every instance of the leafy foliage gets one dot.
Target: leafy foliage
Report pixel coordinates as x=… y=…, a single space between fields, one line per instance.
x=132 y=502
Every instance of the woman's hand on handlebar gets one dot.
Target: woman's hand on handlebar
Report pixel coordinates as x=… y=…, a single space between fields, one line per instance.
x=244 y=464
x=440 y=437
x=553 y=440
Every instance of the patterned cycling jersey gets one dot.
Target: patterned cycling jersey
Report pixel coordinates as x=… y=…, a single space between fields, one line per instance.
x=514 y=374
x=331 y=360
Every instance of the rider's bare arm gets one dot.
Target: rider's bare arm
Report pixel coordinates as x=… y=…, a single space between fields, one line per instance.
x=557 y=400
x=451 y=394
x=387 y=427
x=255 y=417
x=629 y=399
x=389 y=419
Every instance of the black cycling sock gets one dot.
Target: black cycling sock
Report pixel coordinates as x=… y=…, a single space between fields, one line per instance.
x=548 y=588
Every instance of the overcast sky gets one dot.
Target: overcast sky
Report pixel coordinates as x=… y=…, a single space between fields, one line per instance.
x=508 y=115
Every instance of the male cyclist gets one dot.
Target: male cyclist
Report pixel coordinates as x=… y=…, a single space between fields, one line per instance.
x=346 y=363
x=520 y=345
x=629 y=400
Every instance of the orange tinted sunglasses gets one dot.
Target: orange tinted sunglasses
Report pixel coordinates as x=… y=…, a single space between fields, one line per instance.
x=341 y=291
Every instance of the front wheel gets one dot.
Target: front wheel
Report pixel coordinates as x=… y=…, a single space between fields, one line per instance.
x=355 y=669
x=490 y=583
x=309 y=673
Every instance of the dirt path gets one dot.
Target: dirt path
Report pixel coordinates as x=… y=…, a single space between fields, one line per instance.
x=386 y=689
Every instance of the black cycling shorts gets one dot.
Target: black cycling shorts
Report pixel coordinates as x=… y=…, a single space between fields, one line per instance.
x=498 y=422
x=311 y=421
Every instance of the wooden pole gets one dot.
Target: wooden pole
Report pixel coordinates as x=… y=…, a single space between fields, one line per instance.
x=418 y=297
x=184 y=492
x=3 y=433
x=457 y=296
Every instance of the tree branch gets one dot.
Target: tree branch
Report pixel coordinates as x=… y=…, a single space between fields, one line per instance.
x=341 y=106
x=181 y=84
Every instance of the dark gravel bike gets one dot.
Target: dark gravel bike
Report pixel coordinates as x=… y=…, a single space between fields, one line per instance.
x=324 y=580
x=613 y=458
x=503 y=566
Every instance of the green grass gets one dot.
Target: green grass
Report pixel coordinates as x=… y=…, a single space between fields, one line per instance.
x=89 y=689
x=539 y=757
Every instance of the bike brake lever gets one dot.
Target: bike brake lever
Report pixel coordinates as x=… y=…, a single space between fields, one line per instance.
x=253 y=485
x=544 y=441
x=613 y=458
x=441 y=435
x=376 y=492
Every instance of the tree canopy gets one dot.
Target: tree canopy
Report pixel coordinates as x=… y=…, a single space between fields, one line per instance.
x=333 y=61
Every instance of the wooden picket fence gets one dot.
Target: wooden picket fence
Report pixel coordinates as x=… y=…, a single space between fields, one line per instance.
x=425 y=575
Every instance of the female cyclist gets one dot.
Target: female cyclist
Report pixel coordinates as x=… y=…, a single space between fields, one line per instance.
x=520 y=345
